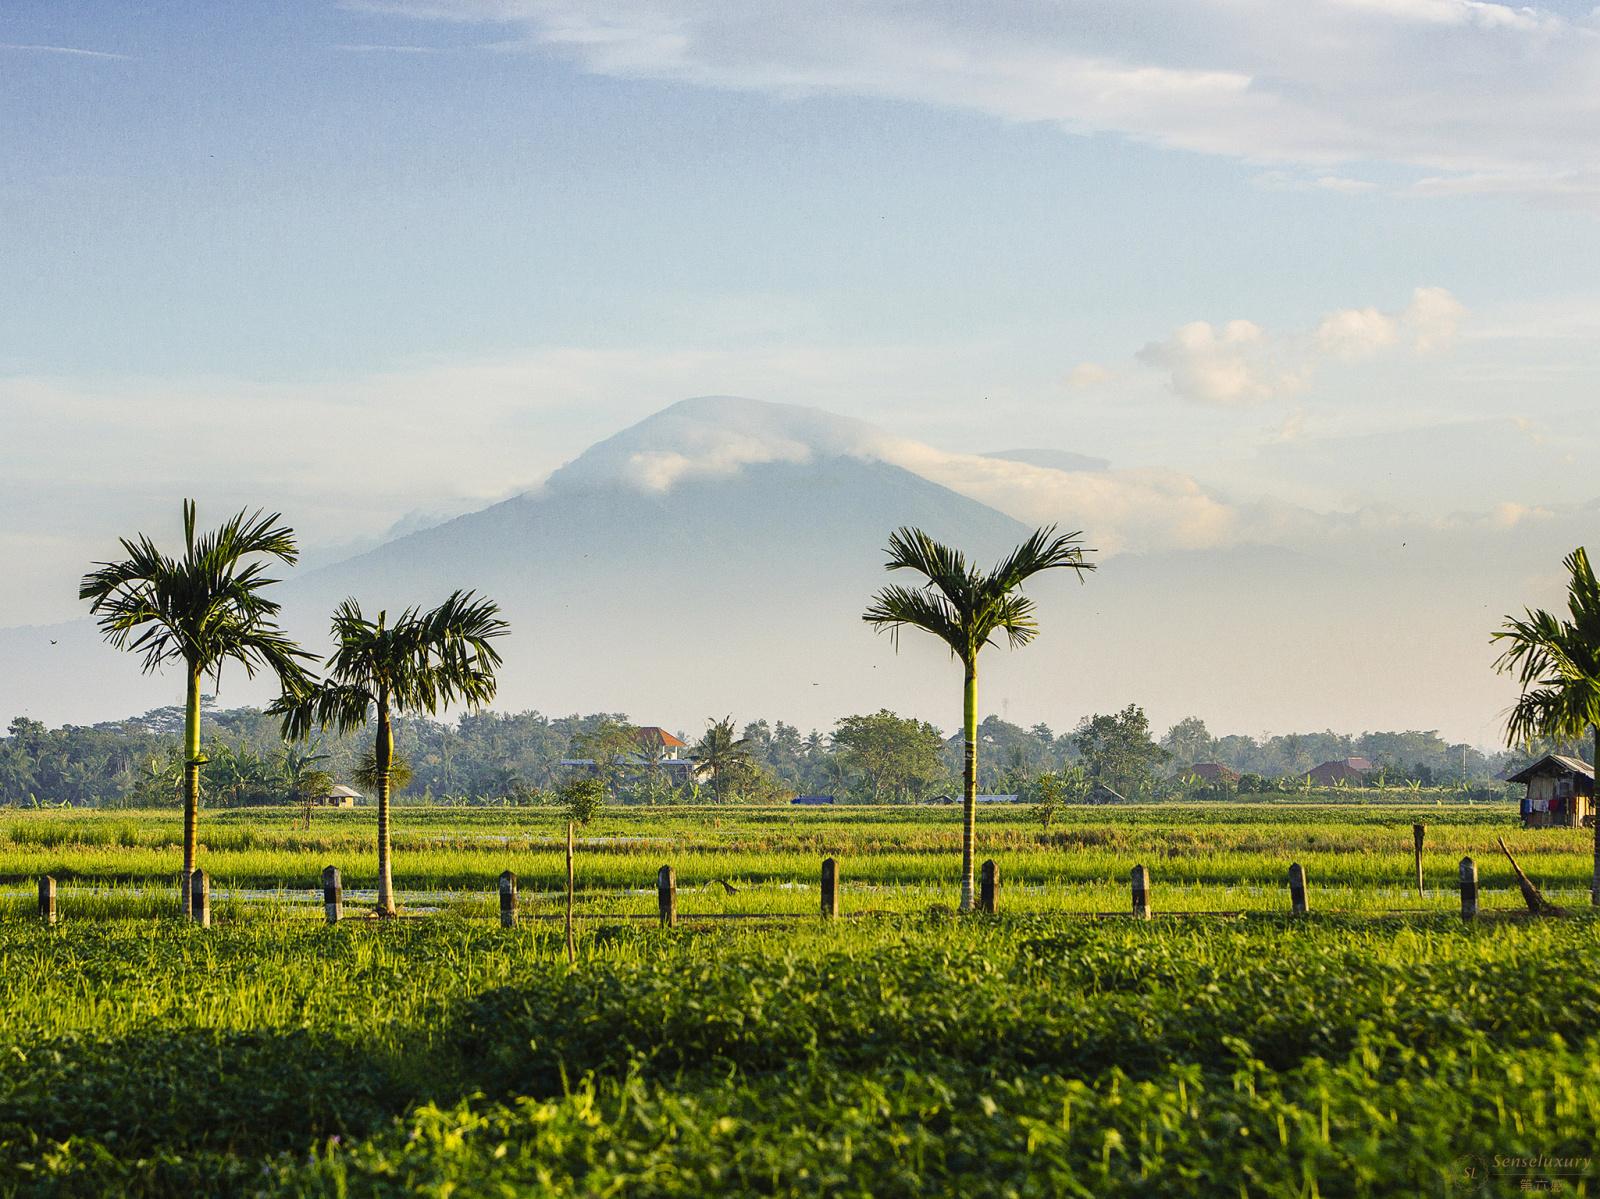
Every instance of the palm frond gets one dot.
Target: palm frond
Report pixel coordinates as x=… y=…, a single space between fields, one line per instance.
x=895 y=608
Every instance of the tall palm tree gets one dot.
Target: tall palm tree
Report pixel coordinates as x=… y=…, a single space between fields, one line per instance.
x=422 y=662
x=723 y=754
x=1557 y=664
x=965 y=608
x=202 y=609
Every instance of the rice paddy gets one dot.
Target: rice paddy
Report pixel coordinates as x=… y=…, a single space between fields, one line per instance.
x=1380 y=1045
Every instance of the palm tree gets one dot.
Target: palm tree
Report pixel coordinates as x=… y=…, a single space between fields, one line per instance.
x=202 y=609
x=965 y=608
x=723 y=754
x=422 y=662
x=1557 y=664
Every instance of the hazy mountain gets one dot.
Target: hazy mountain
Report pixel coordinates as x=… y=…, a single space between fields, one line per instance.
x=715 y=559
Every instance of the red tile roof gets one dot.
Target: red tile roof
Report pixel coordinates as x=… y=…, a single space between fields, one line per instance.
x=652 y=734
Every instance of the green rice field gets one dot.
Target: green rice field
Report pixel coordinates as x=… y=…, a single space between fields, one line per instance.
x=1378 y=1046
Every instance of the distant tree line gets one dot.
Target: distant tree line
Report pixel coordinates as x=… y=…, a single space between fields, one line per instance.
x=495 y=757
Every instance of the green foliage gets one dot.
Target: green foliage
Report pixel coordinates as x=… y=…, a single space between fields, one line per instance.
x=907 y=1057
x=896 y=757
x=582 y=797
x=1117 y=751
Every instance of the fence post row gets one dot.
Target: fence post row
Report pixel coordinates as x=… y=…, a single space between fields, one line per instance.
x=200 y=898
x=989 y=888
x=1469 y=889
x=47 y=899
x=332 y=894
x=1297 y=889
x=667 y=896
x=508 y=899
x=1141 y=893
x=830 y=888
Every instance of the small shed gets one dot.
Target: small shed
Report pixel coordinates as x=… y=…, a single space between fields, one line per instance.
x=1005 y=797
x=340 y=796
x=1560 y=792
x=812 y=799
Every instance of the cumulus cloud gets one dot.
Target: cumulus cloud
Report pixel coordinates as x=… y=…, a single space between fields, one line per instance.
x=1236 y=364
x=1432 y=318
x=1487 y=92
x=1241 y=363
x=1087 y=375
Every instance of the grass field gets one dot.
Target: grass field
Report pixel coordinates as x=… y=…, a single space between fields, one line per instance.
x=909 y=1052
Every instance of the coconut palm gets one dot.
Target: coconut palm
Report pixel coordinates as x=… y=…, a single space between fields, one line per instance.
x=723 y=754
x=419 y=663
x=202 y=609
x=965 y=608
x=1557 y=664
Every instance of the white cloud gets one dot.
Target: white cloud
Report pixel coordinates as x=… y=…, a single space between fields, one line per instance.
x=1241 y=363
x=1088 y=375
x=1355 y=332
x=72 y=51
x=1432 y=318
x=1233 y=365
x=1460 y=88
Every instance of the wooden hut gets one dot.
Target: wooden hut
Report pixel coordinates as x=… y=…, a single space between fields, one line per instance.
x=1560 y=793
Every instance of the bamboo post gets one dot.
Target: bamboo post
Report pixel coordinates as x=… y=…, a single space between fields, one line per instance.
x=332 y=894
x=200 y=898
x=667 y=896
x=989 y=888
x=1297 y=889
x=47 y=899
x=508 y=899
x=1418 y=831
x=1469 y=889
x=1594 y=884
x=830 y=889
x=1141 y=893
x=572 y=947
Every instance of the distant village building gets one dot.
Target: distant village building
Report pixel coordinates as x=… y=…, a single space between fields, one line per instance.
x=1006 y=797
x=339 y=796
x=659 y=752
x=1342 y=770
x=1211 y=772
x=1560 y=792
x=812 y=799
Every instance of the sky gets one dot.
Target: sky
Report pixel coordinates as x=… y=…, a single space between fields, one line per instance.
x=1289 y=268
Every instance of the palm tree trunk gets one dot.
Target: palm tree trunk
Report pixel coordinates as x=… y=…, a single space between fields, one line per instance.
x=191 y=780
x=969 y=779
x=383 y=756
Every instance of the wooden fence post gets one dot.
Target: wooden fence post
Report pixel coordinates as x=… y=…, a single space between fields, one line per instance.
x=332 y=894
x=572 y=946
x=1418 y=831
x=200 y=898
x=47 y=899
x=1141 y=893
x=830 y=888
x=1297 y=889
x=989 y=888
x=667 y=896
x=1469 y=889
x=508 y=899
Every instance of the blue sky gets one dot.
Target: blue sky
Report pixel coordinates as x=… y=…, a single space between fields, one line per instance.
x=1340 y=258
